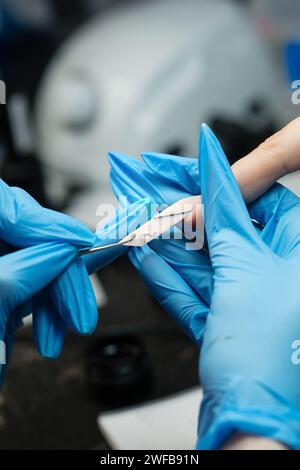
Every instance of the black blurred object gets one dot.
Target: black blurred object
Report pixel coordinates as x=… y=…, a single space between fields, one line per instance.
x=118 y=370
x=26 y=48
x=20 y=167
x=24 y=56
x=238 y=138
x=69 y=13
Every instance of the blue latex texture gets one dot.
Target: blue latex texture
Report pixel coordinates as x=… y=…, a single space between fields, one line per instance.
x=41 y=272
x=250 y=382
x=245 y=297
x=181 y=277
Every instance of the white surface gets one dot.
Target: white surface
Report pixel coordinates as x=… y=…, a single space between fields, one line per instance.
x=169 y=423
x=100 y=294
x=292 y=182
x=27 y=321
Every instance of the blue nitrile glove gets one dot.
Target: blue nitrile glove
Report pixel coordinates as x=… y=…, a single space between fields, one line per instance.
x=164 y=180
x=279 y=211
x=250 y=383
x=125 y=221
x=23 y=274
x=55 y=311
x=183 y=277
x=24 y=223
x=272 y=377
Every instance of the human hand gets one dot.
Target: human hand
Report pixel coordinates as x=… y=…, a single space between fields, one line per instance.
x=51 y=241
x=165 y=179
x=277 y=211
x=250 y=382
x=38 y=248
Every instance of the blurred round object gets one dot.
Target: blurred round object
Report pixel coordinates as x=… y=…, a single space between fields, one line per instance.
x=118 y=371
x=143 y=77
x=75 y=104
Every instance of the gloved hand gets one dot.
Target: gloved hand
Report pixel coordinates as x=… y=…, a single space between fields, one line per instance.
x=250 y=382
x=182 y=277
x=275 y=387
x=178 y=282
x=25 y=224
x=51 y=241
x=54 y=311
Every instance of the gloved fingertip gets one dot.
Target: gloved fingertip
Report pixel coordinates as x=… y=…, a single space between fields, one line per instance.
x=49 y=330
x=50 y=351
x=127 y=181
x=117 y=186
x=162 y=166
x=50 y=343
x=86 y=321
x=210 y=157
x=74 y=299
x=215 y=172
x=181 y=173
x=119 y=160
x=224 y=206
x=155 y=161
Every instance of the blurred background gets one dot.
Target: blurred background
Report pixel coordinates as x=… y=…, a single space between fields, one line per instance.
x=87 y=76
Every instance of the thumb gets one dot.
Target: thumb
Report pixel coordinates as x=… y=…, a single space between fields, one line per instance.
x=226 y=219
